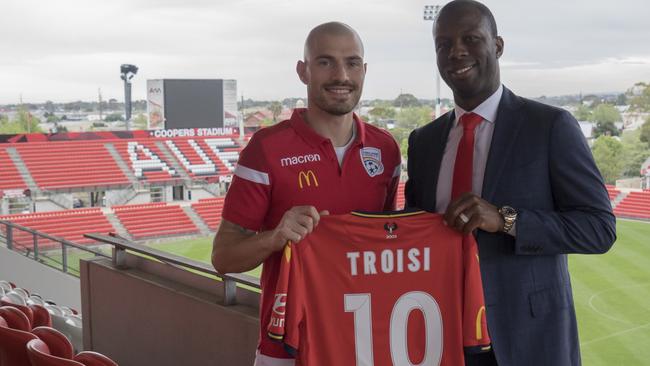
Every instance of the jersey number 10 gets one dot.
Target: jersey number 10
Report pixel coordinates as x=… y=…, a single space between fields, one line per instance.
x=360 y=305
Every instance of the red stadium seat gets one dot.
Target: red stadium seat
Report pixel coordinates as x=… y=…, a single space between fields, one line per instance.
x=40 y=355
x=89 y=358
x=42 y=317
x=15 y=318
x=14 y=337
x=5 y=301
x=57 y=343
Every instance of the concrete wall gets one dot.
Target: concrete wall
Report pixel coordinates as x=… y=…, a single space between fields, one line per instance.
x=50 y=283
x=45 y=205
x=198 y=193
x=151 y=313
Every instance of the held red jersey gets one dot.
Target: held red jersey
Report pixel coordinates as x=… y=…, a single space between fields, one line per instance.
x=384 y=289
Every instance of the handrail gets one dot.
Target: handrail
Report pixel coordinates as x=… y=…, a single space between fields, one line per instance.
x=230 y=280
x=53 y=238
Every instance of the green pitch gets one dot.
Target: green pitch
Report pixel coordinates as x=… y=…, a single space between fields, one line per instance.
x=611 y=293
x=612 y=298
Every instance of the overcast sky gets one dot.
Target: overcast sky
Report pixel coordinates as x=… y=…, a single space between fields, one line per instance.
x=65 y=50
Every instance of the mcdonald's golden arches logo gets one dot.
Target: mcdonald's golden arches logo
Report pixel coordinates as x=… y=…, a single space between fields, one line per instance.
x=307 y=178
x=479 y=322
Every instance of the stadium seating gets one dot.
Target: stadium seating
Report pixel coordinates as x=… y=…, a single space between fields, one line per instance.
x=57 y=343
x=89 y=358
x=209 y=209
x=612 y=191
x=42 y=317
x=18 y=303
x=69 y=225
x=71 y=164
x=156 y=220
x=52 y=348
x=9 y=176
x=76 y=164
x=146 y=160
x=194 y=158
x=6 y=285
x=401 y=201
x=39 y=354
x=14 y=337
x=634 y=205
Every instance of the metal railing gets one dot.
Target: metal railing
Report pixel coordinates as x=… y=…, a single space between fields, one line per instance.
x=230 y=280
x=44 y=248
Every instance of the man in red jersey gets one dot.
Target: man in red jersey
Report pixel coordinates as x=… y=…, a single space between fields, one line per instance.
x=322 y=160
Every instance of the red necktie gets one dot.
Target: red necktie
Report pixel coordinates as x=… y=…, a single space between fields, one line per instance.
x=465 y=156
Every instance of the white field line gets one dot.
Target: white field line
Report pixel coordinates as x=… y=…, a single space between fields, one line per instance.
x=612 y=335
x=600 y=293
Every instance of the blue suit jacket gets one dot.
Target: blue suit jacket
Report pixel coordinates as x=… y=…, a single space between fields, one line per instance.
x=540 y=164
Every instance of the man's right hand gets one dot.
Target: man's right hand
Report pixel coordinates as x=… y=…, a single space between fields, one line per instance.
x=236 y=249
x=295 y=224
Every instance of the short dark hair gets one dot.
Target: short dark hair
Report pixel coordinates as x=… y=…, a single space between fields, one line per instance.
x=485 y=12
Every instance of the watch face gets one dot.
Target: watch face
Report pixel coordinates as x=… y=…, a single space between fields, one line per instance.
x=508 y=211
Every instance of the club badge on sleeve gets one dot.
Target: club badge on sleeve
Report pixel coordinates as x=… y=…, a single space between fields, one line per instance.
x=371 y=160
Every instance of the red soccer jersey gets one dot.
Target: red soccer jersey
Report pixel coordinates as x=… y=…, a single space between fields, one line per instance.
x=381 y=290
x=291 y=165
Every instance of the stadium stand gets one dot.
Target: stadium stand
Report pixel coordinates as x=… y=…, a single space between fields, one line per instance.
x=193 y=158
x=9 y=176
x=634 y=205
x=68 y=224
x=70 y=164
x=209 y=209
x=401 y=201
x=74 y=164
x=154 y=220
x=612 y=192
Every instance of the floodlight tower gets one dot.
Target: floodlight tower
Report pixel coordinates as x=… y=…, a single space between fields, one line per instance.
x=431 y=14
x=127 y=72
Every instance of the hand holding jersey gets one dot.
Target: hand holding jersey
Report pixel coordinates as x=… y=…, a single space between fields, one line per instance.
x=478 y=214
x=295 y=224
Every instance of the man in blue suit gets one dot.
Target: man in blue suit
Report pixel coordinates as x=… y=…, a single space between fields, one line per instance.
x=522 y=178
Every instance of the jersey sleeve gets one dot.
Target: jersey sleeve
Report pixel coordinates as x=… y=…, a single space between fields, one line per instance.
x=287 y=313
x=475 y=332
x=248 y=197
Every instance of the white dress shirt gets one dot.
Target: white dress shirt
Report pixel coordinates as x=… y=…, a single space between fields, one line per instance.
x=482 y=141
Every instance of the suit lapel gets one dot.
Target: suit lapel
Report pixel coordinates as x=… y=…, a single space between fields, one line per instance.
x=507 y=125
x=436 y=151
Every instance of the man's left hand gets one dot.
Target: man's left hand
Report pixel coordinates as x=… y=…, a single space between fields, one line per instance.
x=470 y=212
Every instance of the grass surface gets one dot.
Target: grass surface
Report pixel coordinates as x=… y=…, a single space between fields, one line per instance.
x=612 y=299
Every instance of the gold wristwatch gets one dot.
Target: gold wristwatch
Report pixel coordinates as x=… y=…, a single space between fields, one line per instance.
x=509 y=215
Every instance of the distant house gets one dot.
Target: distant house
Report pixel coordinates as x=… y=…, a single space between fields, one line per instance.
x=587 y=129
x=645 y=174
x=254 y=120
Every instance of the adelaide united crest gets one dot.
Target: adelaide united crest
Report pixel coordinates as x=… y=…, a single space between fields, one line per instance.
x=371 y=160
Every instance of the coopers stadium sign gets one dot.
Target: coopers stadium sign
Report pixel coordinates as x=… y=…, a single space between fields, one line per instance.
x=192 y=132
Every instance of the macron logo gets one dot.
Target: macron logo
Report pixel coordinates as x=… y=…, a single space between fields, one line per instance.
x=300 y=159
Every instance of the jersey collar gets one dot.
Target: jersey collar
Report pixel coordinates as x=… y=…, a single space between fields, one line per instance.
x=311 y=137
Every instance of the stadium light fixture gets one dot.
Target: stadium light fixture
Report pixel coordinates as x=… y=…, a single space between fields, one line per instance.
x=127 y=72
x=431 y=14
